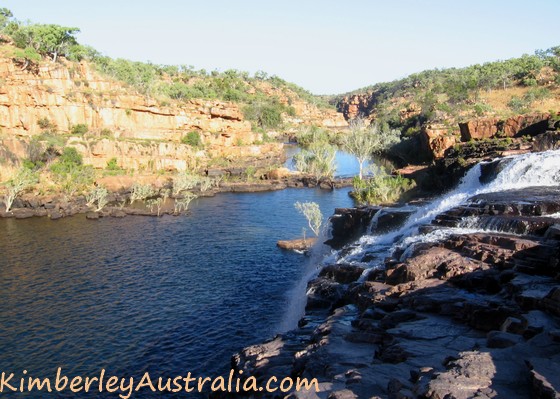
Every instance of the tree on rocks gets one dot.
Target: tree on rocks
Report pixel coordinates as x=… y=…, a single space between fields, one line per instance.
x=312 y=213
x=363 y=141
x=21 y=182
x=46 y=39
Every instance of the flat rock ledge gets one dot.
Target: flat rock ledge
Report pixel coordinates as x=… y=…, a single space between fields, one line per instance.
x=468 y=316
x=299 y=244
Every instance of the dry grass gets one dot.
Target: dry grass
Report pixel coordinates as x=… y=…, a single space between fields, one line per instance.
x=498 y=100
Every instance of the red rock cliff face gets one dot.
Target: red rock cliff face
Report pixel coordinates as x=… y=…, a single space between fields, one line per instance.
x=68 y=95
x=357 y=105
x=518 y=125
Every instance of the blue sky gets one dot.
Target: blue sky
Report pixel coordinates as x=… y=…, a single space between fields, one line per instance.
x=328 y=47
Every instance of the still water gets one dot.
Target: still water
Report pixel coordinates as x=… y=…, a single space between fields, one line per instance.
x=346 y=165
x=166 y=295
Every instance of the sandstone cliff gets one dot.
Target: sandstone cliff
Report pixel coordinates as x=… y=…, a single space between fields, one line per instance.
x=141 y=132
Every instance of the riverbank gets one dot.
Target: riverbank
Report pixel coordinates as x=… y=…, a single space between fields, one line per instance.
x=459 y=300
x=58 y=206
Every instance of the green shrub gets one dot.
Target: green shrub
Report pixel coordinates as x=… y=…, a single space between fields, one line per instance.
x=46 y=124
x=113 y=165
x=141 y=192
x=23 y=180
x=267 y=115
x=193 y=139
x=318 y=160
x=481 y=109
x=381 y=188
x=106 y=133
x=519 y=105
x=52 y=139
x=79 y=129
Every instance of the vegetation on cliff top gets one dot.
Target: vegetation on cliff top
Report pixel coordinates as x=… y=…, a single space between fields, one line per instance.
x=449 y=95
x=263 y=97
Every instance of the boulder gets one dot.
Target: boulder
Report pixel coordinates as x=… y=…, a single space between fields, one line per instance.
x=516 y=126
x=500 y=339
x=436 y=139
x=467 y=375
x=477 y=129
x=525 y=125
x=299 y=244
x=343 y=274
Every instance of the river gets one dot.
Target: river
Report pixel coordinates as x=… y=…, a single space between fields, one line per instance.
x=166 y=295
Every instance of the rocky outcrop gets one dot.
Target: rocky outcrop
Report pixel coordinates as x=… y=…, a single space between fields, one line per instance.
x=348 y=223
x=357 y=105
x=436 y=139
x=68 y=95
x=306 y=113
x=462 y=316
x=479 y=129
x=515 y=126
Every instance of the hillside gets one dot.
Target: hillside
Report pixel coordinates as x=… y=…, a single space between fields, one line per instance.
x=56 y=93
x=441 y=99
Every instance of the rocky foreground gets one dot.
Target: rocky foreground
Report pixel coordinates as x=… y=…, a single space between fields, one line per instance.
x=470 y=315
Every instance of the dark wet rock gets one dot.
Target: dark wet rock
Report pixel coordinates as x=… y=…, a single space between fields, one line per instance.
x=500 y=339
x=23 y=213
x=514 y=325
x=388 y=219
x=348 y=223
x=395 y=318
x=430 y=262
x=392 y=354
x=323 y=293
x=118 y=213
x=50 y=205
x=545 y=378
x=553 y=232
x=343 y=274
x=342 y=394
x=92 y=215
x=55 y=215
x=489 y=170
x=368 y=337
x=551 y=302
x=547 y=141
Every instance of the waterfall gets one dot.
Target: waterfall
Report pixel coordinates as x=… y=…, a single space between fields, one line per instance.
x=296 y=297
x=533 y=169
x=521 y=171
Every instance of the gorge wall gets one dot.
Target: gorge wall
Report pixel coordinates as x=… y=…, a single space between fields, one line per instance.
x=141 y=132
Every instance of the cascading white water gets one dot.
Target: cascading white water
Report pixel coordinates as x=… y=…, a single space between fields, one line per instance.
x=297 y=295
x=527 y=170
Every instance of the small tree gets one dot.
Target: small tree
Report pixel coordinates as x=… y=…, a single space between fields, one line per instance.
x=21 y=182
x=5 y=17
x=182 y=204
x=26 y=56
x=46 y=39
x=157 y=203
x=312 y=213
x=318 y=160
x=183 y=182
x=99 y=195
x=364 y=141
x=141 y=192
